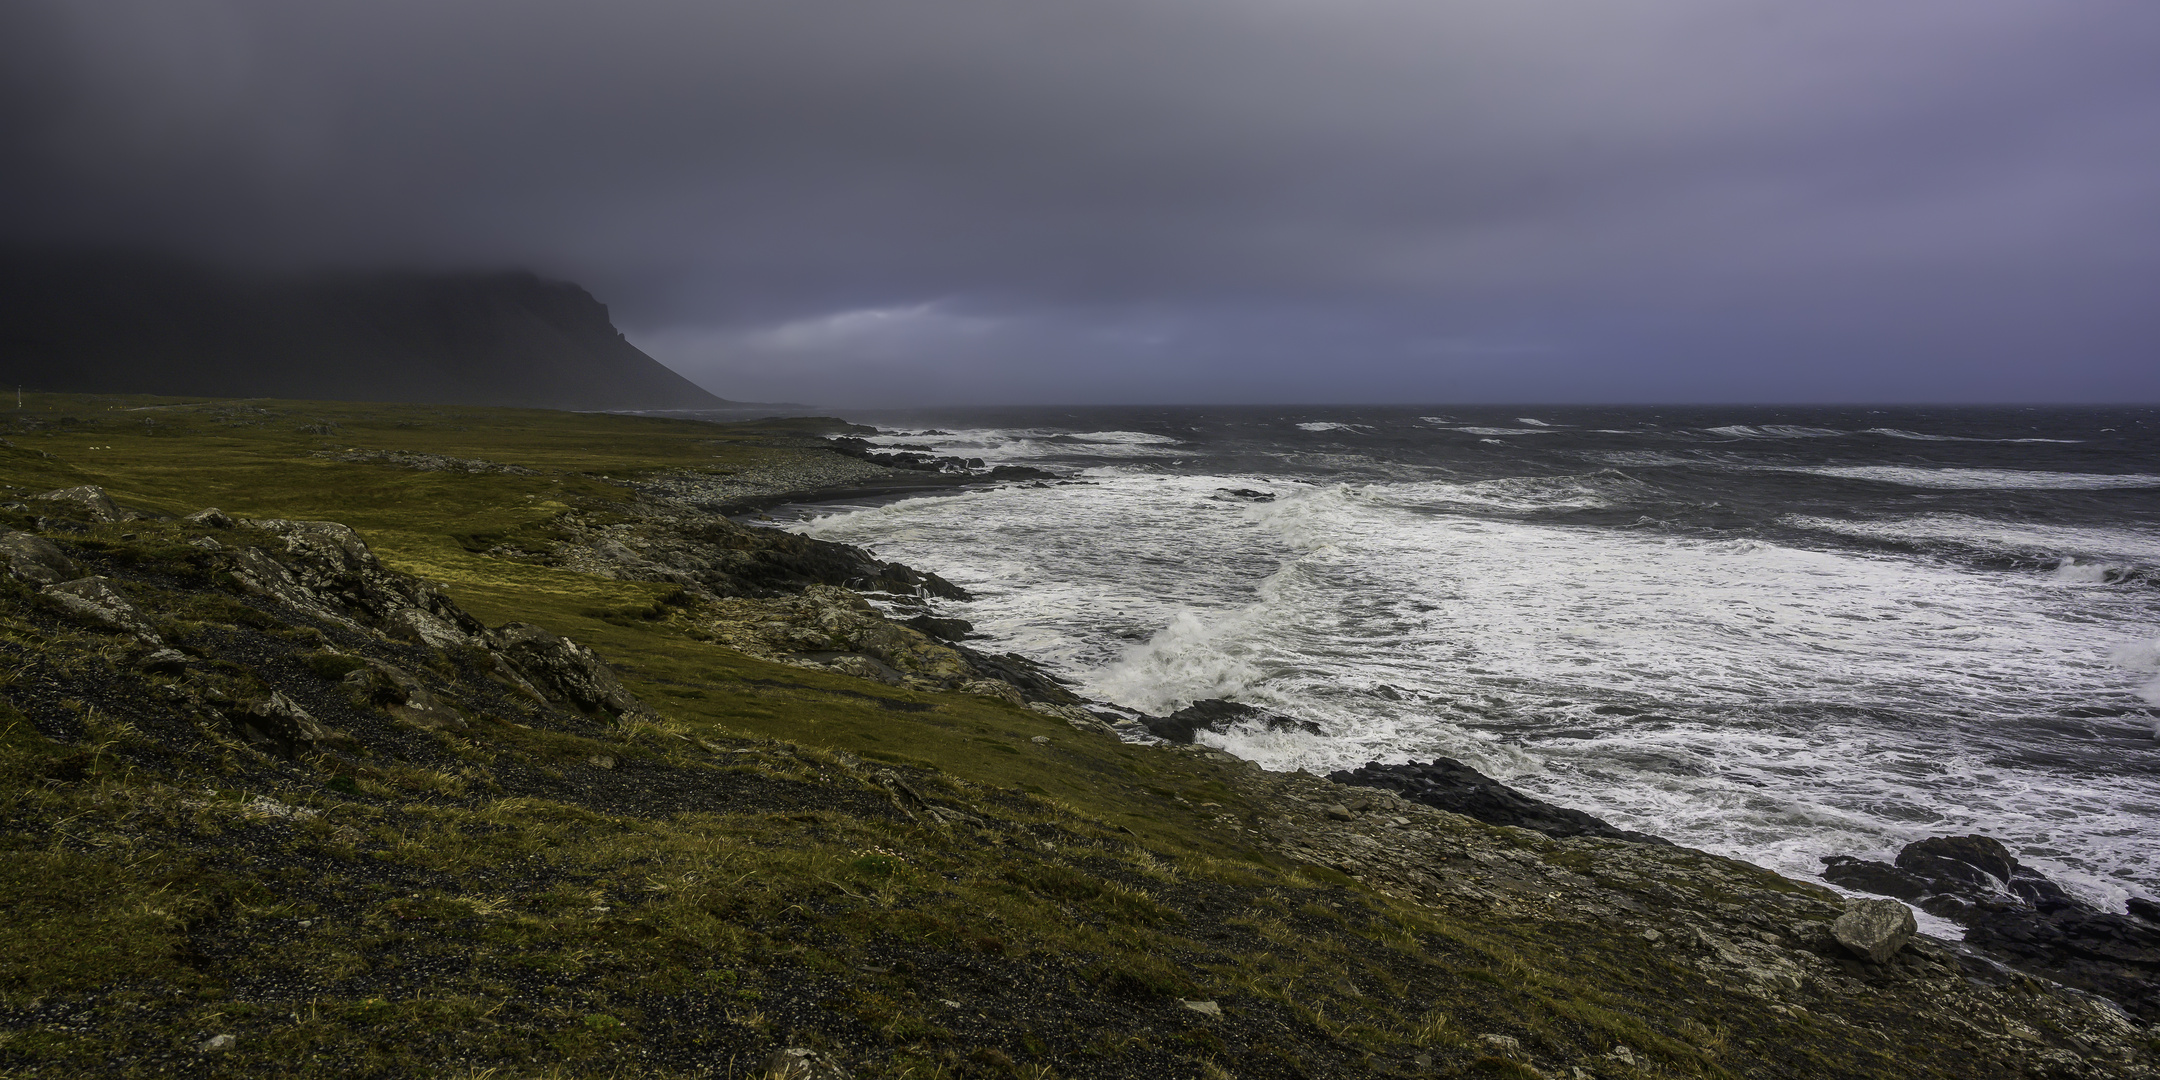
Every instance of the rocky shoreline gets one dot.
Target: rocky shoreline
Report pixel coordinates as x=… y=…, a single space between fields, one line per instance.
x=367 y=808
x=2015 y=917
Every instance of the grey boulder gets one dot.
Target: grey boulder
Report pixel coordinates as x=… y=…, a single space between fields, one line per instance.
x=93 y=499
x=1875 y=930
x=563 y=668
x=34 y=559
x=94 y=600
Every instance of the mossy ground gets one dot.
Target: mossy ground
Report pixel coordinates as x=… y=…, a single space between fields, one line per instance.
x=545 y=894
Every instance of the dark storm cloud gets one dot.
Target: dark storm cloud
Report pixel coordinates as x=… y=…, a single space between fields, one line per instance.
x=948 y=200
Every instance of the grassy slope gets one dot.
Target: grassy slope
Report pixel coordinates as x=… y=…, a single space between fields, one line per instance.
x=490 y=903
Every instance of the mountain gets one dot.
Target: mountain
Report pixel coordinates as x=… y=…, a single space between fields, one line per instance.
x=110 y=323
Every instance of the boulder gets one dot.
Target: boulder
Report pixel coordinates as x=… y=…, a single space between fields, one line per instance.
x=1875 y=930
x=278 y=725
x=95 y=600
x=209 y=517
x=2016 y=914
x=327 y=570
x=401 y=695
x=93 y=500
x=563 y=669
x=34 y=559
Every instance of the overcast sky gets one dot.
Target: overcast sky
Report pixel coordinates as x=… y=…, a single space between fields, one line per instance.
x=946 y=201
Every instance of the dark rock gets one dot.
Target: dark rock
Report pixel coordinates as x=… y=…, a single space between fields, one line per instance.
x=1977 y=861
x=278 y=725
x=893 y=458
x=1217 y=714
x=1864 y=875
x=2016 y=914
x=941 y=629
x=727 y=558
x=1450 y=785
x=1875 y=930
x=1018 y=472
x=209 y=517
x=1024 y=674
x=1985 y=866
x=2144 y=909
x=35 y=559
x=1248 y=494
x=401 y=695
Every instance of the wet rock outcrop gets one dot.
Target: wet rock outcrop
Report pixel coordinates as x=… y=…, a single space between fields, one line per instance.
x=2014 y=912
x=1450 y=785
x=1219 y=715
x=921 y=459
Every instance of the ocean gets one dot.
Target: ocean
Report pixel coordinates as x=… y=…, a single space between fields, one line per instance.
x=1775 y=634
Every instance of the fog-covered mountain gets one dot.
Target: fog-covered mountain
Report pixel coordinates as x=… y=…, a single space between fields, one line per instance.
x=110 y=323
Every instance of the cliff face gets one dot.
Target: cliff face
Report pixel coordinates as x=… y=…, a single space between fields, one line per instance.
x=125 y=324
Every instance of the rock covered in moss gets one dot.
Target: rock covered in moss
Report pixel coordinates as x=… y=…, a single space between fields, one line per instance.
x=95 y=600
x=93 y=501
x=564 y=667
x=34 y=559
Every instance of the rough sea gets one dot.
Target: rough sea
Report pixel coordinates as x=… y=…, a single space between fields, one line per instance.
x=1776 y=634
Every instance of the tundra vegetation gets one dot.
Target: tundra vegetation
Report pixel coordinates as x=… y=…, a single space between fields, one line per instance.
x=446 y=788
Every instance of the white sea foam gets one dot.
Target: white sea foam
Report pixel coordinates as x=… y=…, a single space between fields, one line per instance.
x=1037 y=444
x=1896 y=433
x=1952 y=479
x=1322 y=425
x=1531 y=422
x=1505 y=430
x=1772 y=702
x=1773 y=431
x=2084 y=544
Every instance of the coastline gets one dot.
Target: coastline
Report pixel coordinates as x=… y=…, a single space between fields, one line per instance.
x=2014 y=911
x=557 y=767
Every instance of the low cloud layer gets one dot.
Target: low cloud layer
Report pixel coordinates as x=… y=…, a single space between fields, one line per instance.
x=1205 y=200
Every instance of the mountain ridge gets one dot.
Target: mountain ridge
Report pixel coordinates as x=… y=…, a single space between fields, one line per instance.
x=106 y=321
